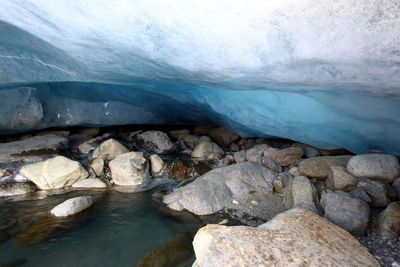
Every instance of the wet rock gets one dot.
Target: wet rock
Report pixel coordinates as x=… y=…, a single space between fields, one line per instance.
x=301 y=193
x=181 y=170
x=176 y=133
x=361 y=194
x=218 y=188
x=72 y=206
x=109 y=150
x=376 y=190
x=223 y=136
x=340 y=179
x=97 y=165
x=156 y=142
x=158 y=166
x=287 y=156
x=129 y=169
x=171 y=253
x=57 y=172
x=309 y=151
x=207 y=150
x=319 y=167
x=32 y=149
x=293 y=238
x=13 y=188
x=347 y=212
x=389 y=221
x=376 y=166
x=90 y=183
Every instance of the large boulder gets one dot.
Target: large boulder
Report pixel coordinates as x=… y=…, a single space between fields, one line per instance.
x=376 y=166
x=129 y=169
x=32 y=149
x=156 y=142
x=389 y=221
x=12 y=189
x=319 y=167
x=72 y=206
x=223 y=136
x=57 y=172
x=350 y=213
x=376 y=190
x=301 y=193
x=340 y=179
x=207 y=150
x=109 y=149
x=293 y=238
x=234 y=186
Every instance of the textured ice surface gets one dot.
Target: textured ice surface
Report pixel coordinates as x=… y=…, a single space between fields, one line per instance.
x=324 y=73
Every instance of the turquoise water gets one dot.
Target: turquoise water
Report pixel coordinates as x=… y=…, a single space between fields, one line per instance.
x=119 y=230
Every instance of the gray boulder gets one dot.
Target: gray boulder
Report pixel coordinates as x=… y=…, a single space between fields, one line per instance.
x=347 y=212
x=376 y=166
x=156 y=142
x=340 y=179
x=377 y=191
x=309 y=151
x=287 y=156
x=236 y=186
x=240 y=156
x=256 y=153
x=301 y=193
x=361 y=194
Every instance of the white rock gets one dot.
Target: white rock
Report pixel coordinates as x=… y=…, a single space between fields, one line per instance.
x=156 y=142
x=97 y=165
x=90 y=183
x=72 y=206
x=157 y=165
x=206 y=149
x=129 y=169
x=109 y=149
x=57 y=172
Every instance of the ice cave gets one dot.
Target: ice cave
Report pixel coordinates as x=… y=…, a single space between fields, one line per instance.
x=322 y=74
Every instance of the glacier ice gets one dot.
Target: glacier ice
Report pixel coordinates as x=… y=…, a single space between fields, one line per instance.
x=323 y=73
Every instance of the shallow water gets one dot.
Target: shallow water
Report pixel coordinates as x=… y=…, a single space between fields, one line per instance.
x=118 y=230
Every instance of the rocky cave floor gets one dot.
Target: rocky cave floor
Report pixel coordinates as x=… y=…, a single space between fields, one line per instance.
x=230 y=180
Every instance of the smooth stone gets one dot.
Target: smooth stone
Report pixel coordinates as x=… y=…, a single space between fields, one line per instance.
x=129 y=169
x=293 y=238
x=158 y=166
x=294 y=171
x=57 y=172
x=222 y=187
x=109 y=150
x=207 y=150
x=13 y=188
x=288 y=156
x=361 y=194
x=156 y=142
x=72 y=206
x=256 y=153
x=32 y=149
x=389 y=221
x=90 y=183
x=347 y=212
x=377 y=191
x=301 y=193
x=223 y=136
x=376 y=166
x=319 y=167
x=97 y=165
x=309 y=151
x=340 y=179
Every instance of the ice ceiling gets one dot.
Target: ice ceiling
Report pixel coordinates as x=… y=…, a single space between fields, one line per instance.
x=326 y=73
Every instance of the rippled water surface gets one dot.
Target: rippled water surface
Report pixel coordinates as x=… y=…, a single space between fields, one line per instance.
x=119 y=230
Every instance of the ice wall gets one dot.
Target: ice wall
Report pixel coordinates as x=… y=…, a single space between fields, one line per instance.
x=323 y=72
